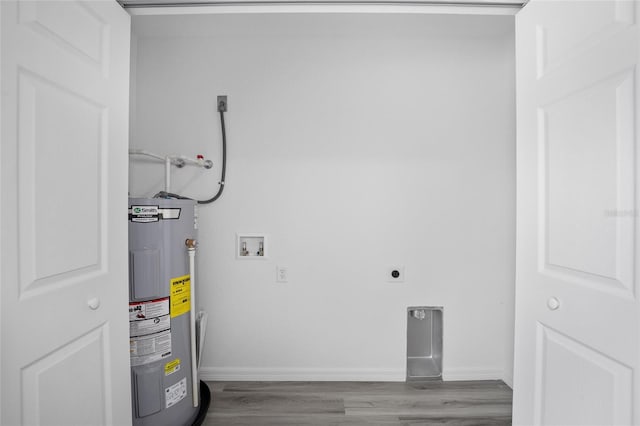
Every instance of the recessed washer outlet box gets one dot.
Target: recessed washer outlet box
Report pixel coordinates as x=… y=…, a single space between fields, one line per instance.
x=251 y=246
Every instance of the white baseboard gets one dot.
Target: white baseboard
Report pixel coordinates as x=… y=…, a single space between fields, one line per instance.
x=301 y=374
x=508 y=379
x=471 y=374
x=333 y=374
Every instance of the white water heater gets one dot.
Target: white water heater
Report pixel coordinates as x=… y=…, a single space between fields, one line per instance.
x=165 y=387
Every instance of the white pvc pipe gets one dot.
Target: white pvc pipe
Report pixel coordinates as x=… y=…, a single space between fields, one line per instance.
x=167 y=174
x=172 y=160
x=178 y=160
x=195 y=383
x=145 y=152
x=188 y=160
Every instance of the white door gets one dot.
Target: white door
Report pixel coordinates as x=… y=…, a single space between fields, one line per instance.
x=64 y=292
x=577 y=358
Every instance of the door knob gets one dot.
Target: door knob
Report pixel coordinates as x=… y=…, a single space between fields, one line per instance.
x=93 y=303
x=553 y=303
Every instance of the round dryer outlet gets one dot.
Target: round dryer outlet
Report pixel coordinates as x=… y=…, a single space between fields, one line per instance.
x=395 y=274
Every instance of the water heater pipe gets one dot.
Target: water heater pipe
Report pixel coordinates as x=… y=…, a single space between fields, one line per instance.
x=175 y=160
x=167 y=174
x=195 y=383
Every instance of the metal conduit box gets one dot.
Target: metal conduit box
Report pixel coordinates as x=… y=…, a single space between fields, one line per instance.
x=424 y=343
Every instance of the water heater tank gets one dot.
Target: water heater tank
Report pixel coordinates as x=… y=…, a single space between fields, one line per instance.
x=159 y=311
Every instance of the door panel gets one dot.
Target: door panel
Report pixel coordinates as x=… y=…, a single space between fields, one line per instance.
x=64 y=118
x=57 y=127
x=594 y=389
x=45 y=383
x=80 y=30
x=557 y=42
x=586 y=165
x=577 y=332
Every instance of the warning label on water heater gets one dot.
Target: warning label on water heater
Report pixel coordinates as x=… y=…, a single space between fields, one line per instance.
x=149 y=331
x=150 y=309
x=176 y=393
x=151 y=348
x=149 y=317
x=180 y=295
x=172 y=367
x=149 y=326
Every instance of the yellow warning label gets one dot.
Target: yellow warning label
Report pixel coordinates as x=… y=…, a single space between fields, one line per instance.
x=180 y=295
x=172 y=366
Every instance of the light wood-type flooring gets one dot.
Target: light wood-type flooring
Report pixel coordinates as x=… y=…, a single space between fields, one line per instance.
x=474 y=403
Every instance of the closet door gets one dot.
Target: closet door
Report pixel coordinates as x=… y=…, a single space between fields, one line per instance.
x=64 y=292
x=577 y=357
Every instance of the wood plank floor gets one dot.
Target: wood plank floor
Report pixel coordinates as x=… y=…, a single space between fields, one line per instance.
x=478 y=403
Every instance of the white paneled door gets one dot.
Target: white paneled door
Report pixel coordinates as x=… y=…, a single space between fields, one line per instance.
x=577 y=313
x=64 y=116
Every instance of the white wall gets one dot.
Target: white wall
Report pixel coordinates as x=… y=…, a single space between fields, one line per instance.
x=356 y=142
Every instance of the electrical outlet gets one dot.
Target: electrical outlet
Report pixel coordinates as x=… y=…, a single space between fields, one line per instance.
x=282 y=274
x=395 y=274
x=222 y=103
